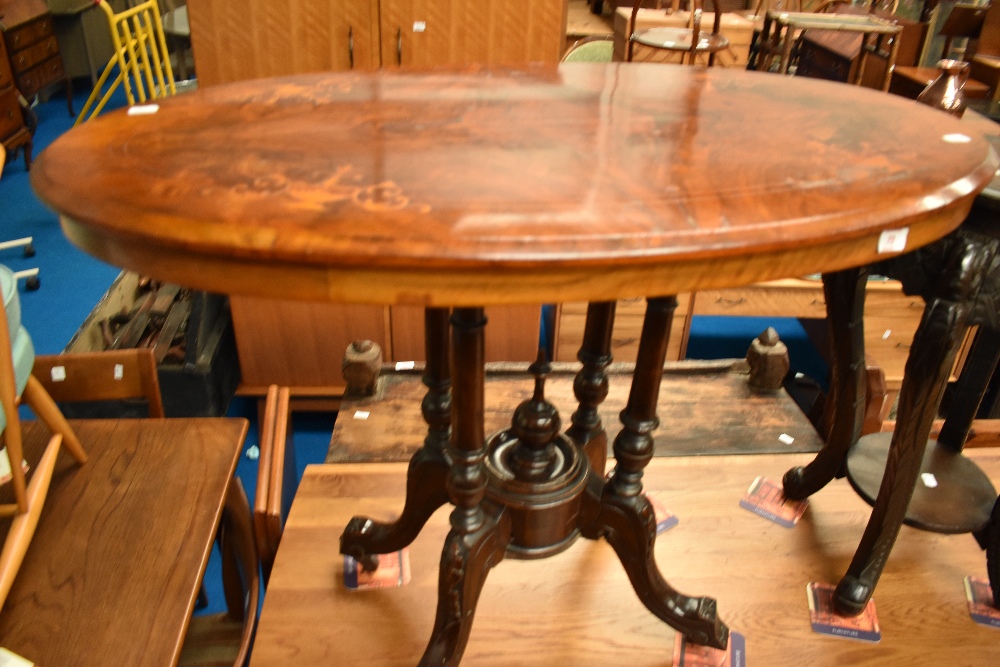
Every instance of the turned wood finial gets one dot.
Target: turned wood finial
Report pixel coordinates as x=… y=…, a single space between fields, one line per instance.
x=768 y=361
x=361 y=366
x=536 y=423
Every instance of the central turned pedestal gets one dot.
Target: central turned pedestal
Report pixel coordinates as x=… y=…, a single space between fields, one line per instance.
x=531 y=490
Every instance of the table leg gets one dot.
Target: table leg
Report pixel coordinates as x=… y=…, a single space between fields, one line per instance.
x=480 y=529
x=364 y=539
x=590 y=386
x=618 y=511
x=844 y=292
x=969 y=390
x=926 y=373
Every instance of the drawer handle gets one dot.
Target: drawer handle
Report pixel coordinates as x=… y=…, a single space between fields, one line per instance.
x=731 y=302
x=902 y=346
x=350 y=45
x=818 y=302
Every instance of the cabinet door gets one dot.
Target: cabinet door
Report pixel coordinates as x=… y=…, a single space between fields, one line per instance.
x=233 y=41
x=435 y=32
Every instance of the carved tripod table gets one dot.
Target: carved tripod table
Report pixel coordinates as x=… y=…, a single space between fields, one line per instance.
x=459 y=189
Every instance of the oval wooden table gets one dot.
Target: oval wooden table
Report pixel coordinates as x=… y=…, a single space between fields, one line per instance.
x=459 y=189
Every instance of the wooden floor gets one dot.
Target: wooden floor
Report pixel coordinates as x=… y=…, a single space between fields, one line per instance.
x=581 y=22
x=577 y=608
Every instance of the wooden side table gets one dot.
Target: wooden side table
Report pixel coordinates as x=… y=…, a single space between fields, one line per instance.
x=14 y=133
x=32 y=48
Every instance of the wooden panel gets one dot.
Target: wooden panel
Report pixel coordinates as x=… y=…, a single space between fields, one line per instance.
x=781 y=298
x=233 y=41
x=458 y=32
x=299 y=344
x=511 y=335
x=578 y=608
x=705 y=408
x=629 y=315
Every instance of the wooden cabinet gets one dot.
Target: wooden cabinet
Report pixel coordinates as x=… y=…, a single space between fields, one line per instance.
x=244 y=39
x=13 y=132
x=32 y=49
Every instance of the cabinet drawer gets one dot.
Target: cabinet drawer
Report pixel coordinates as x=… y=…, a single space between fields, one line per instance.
x=764 y=300
x=35 y=79
x=11 y=119
x=27 y=58
x=629 y=315
x=25 y=35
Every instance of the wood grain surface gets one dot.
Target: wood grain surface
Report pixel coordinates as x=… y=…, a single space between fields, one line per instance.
x=116 y=563
x=704 y=408
x=578 y=608
x=480 y=186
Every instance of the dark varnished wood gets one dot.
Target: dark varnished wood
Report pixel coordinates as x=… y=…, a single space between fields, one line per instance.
x=114 y=536
x=457 y=188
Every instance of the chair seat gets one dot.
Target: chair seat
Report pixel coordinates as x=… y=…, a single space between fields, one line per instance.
x=679 y=39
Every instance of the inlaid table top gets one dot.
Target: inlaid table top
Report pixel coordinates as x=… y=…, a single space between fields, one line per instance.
x=474 y=186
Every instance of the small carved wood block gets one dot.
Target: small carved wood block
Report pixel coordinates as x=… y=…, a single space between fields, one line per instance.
x=768 y=361
x=361 y=366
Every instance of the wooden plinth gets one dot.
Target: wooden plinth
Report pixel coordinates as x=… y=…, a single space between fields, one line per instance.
x=578 y=608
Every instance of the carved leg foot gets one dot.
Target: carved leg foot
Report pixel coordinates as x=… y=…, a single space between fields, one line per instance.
x=466 y=560
x=629 y=525
x=364 y=539
x=844 y=292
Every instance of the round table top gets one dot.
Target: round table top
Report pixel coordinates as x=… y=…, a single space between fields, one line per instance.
x=480 y=186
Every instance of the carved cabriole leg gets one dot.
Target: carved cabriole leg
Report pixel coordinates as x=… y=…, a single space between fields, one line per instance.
x=844 y=292
x=970 y=388
x=590 y=386
x=618 y=511
x=363 y=538
x=480 y=530
x=932 y=355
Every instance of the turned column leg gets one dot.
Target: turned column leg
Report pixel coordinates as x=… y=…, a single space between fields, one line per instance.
x=926 y=373
x=618 y=511
x=364 y=539
x=590 y=386
x=480 y=531
x=844 y=292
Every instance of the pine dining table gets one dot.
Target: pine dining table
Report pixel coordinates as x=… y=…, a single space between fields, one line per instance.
x=460 y=188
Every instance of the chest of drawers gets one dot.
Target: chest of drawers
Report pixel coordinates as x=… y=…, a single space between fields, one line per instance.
x=32 y=49
x=13 y=133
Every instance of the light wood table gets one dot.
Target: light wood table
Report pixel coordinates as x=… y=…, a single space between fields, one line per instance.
x=577 y=609
x=116 y=563
x=460 y=189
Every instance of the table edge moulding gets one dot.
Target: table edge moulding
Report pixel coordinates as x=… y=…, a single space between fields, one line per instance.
x=457 y=189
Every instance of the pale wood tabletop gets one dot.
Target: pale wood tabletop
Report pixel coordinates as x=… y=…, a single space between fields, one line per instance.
x=113 y=571
x=578 y=609
x=474 y=187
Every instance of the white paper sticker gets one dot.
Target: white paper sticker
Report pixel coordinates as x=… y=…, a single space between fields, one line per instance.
x=956 y=138
x=929 y=480
x=885 y=336
x=119 y=371
x=405 y=365
x=143 y=109
x=893 y=240
x=362 y=414
x=419 y=26
x=785 y=438
x=58 y=373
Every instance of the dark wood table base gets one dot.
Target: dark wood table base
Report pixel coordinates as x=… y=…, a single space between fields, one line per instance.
x=530 y=491
x=957 y=276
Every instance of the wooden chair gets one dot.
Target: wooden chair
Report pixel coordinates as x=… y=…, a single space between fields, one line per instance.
x=102 y=376
x=226 y=639
x=140 y=56
x=275 y=475
x=16 y=359
x=690 y=41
